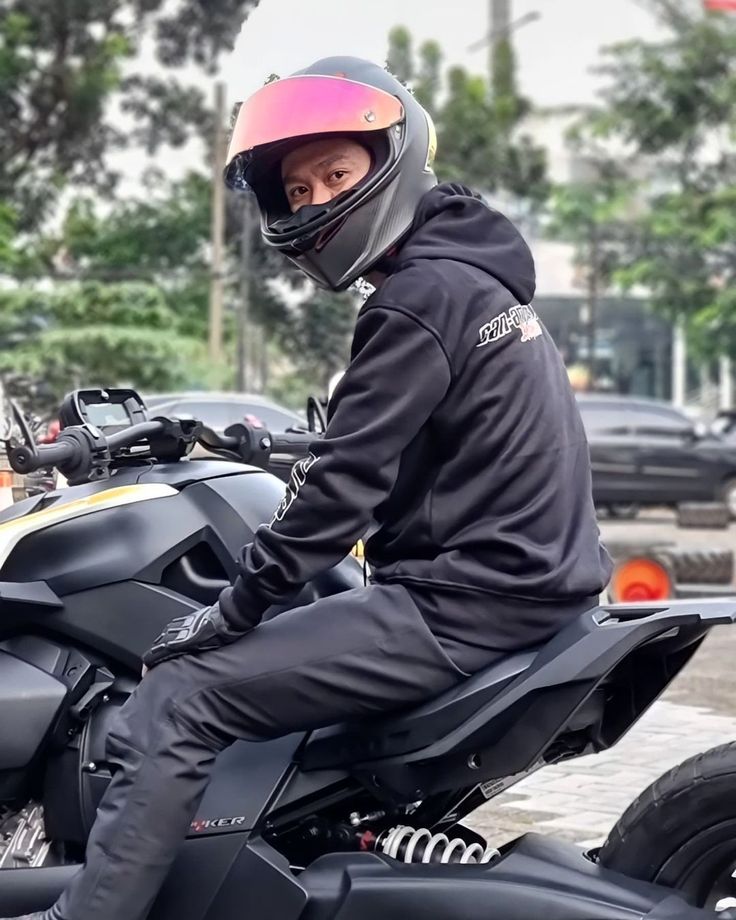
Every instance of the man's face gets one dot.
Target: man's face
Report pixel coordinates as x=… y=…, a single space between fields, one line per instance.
x=320 y=170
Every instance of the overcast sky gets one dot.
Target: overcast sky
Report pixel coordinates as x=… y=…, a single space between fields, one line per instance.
x=555 y=53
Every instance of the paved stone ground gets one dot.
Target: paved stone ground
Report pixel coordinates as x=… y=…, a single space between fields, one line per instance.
x=581 y=800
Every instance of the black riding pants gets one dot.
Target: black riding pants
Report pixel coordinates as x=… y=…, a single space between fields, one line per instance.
x=354 y=654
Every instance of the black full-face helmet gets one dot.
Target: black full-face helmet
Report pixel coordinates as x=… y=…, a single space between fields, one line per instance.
x=339 y=241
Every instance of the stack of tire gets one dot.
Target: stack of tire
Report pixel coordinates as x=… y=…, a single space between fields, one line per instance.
x=704 y=515
x=644 y=573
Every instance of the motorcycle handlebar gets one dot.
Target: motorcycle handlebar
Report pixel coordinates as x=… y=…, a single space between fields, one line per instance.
x=24 y=460
x=71 y=450
x=129 y=436
x=292 y=442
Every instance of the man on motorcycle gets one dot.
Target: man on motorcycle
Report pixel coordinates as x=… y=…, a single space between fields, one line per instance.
x=453 y=436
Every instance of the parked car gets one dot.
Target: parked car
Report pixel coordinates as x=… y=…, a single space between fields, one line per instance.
x=219 y=410
x=647 y=452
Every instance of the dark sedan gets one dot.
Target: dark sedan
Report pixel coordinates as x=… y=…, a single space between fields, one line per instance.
x=645 y=452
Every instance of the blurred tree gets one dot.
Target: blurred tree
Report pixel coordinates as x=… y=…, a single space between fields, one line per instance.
x=399 y=59
x=673 y=103
x=9 y=253
x=593 y=216
x=162 y=239
x=97 y=334
x=162 y=242
x=479 y=125
x=594 y=213
x=63 y=65
x=319 y=335
x=509 y=106
x=429 y=76
x=466 y=146
x=522 y=164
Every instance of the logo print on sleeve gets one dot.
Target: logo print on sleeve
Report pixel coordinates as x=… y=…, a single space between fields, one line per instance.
x=521 y=317
x=298 y=478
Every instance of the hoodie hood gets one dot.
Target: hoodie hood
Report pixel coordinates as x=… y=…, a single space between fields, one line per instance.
x=453 y=222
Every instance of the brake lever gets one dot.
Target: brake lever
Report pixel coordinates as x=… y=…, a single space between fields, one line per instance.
x=240 y=442
x=175 y=439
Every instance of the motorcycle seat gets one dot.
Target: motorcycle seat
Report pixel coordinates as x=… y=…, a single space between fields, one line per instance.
x=413 y=729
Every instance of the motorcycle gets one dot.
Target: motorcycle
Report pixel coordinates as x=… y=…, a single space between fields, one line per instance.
x=352 y=821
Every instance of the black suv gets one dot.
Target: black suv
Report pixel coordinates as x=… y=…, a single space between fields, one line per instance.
x=645 y=452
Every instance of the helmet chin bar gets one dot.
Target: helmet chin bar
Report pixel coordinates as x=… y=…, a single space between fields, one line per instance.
x=309 y=213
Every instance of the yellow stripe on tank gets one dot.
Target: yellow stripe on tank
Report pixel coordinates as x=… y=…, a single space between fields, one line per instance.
x=12 y=532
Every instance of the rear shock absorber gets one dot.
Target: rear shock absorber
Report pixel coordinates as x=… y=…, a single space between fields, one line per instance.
x=422 y=846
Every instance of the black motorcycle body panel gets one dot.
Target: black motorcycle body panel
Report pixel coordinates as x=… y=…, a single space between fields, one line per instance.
x=30 y=698
x=80 y=600
x=228 y=878
x=107 y=581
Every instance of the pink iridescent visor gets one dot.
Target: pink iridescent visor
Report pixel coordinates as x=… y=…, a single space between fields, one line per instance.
x=304 y=105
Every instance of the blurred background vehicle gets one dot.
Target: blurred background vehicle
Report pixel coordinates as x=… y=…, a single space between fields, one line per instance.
x=649 y=453
x=220 y=410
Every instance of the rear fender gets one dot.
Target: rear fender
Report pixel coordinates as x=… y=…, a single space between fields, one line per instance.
x=583 y=690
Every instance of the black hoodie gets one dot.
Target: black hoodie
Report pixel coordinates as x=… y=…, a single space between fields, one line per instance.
x=454 y=434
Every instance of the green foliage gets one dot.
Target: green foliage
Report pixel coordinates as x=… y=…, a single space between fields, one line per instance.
x=164 y=234
x=399 y=59
x=95 y=334
x=429 y=76
x=685 y=254
x=594 y=216
x=509 y=106
x=666 y=98
x=161 y=240
x=62 y=64
x=318 y=337
x=676 y=100
x=466 y=147
x=9 y=254
x=479 y=123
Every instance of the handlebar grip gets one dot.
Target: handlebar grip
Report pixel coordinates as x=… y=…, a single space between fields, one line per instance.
x=292 y=442
x=216 y=439
x=23 y=460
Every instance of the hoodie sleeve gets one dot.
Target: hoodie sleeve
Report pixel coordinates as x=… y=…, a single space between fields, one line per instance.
x=398 y=373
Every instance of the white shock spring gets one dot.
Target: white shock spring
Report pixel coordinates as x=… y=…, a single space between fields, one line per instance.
x=422 y=846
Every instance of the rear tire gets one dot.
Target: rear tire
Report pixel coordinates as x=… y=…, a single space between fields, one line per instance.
x=681 y=831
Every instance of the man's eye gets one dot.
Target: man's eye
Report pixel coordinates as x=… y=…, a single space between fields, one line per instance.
x=298 y=191
x=339 y=174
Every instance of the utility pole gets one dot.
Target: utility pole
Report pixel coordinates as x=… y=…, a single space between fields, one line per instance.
x=679 y=364
x=218 y=228
x=593 y=298
x=242 y=381
x=499 y=13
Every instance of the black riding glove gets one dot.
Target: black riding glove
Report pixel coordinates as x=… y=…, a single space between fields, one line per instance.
x=196 y=632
